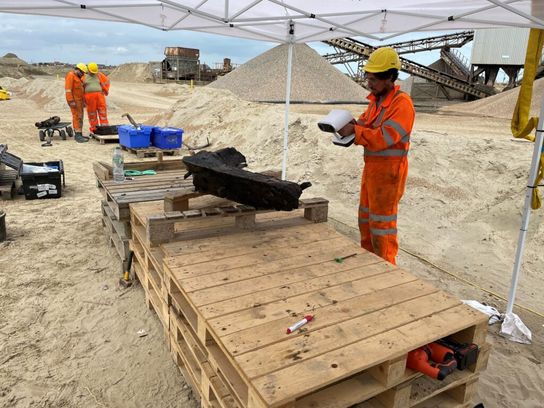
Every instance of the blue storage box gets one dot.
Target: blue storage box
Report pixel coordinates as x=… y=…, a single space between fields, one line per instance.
x=129 y=136
x=166 y=138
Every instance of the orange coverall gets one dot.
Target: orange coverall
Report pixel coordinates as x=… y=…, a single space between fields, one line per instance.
x=384 y=131
x=73 y=87
x=97 y=110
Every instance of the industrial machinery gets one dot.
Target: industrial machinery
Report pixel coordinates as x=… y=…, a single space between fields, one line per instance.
x=183 y=64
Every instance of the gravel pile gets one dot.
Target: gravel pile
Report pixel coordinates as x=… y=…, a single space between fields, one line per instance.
x=313 y=79
x=132 y=72
x=501 y=105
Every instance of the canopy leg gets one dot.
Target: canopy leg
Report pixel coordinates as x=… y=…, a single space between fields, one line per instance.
x=287 y=100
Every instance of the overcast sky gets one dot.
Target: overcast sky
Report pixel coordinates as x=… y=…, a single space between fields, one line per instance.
x=44 y=39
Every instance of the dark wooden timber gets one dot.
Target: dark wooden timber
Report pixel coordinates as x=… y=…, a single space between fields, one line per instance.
x=221 y=173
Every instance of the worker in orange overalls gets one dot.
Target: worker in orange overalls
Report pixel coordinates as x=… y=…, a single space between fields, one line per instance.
x=73 y=87
x=384 y=132
x=97 y=87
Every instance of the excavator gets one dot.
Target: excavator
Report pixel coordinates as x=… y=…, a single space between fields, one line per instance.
x=4 y=94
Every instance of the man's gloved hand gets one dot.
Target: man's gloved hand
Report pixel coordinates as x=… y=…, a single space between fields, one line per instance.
x=72 y=104
x=347 y=130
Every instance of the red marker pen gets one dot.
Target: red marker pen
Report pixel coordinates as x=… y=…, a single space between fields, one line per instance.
x=298 y=325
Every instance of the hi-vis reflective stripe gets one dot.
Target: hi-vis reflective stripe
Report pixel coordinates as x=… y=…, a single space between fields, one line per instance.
x=68 y=90
x=380 y=116
x=363 y=209
x=396 y=126
x=381 y=232
x=363 y=220
x=387 y=153
x=383 y=218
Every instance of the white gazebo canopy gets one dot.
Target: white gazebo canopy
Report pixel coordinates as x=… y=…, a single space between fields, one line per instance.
x=299 y=21
x=314 y=20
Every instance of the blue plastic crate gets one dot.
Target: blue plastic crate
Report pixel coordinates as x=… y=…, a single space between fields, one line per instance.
x=129 y=136
x=167 y=138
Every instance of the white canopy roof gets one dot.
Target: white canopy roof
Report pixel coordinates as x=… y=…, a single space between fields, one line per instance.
x=314 y=20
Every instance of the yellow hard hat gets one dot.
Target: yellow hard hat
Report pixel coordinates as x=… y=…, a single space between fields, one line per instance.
x=382 y=59
x=82 y=67
x=93 y=67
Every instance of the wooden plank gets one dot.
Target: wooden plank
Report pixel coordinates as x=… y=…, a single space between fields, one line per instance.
x=294 y=350
x=459 y=386
x=270 y=287
x=297 y=306
x=248 y=339
x=101 y=172
x=225 y=245
x=214 y=273
x=293 y=239
x=352 y=391
x=294 y=381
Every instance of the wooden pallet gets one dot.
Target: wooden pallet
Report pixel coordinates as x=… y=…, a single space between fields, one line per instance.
x=369 y=315
x=118 y=233
x=151 y=151
x=141 y=189
x=103 y=139
x=160 y=226
x=8 y=178
x=231 y=294
x=104 y=171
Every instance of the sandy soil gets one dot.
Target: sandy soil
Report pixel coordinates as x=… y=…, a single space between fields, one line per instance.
x=68 y=334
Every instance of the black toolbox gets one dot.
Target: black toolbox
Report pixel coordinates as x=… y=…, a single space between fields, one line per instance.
x=43 y=185
x=103 y=130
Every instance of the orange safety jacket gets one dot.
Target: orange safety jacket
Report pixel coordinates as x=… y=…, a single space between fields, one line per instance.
x=73 y=87
x=385 y=130
x=104 y=83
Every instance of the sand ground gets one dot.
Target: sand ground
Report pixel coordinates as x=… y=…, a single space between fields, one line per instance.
x=68 y=333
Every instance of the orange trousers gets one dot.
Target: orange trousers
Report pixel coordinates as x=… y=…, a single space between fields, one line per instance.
x=382 y=186
x=77 y=115
x=96 y=109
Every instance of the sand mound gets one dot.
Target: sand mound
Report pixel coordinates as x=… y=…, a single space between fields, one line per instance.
x=12 y=84
x=47 y=93
x=14 y=67
x=132 y=72
x=313 y=78
x=501 y=105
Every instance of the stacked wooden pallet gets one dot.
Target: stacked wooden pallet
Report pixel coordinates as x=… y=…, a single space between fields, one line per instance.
x=151 y=151
x=226 y=290
x=118 y=196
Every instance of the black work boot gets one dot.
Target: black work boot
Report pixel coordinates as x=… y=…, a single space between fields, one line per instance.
x=79 y=138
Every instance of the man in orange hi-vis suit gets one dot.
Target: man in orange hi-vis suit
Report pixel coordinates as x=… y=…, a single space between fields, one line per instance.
x=73 y=87
x=97 y=87
x=384 y=131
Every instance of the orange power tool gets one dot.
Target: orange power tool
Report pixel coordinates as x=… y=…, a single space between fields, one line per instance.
x=433 y=360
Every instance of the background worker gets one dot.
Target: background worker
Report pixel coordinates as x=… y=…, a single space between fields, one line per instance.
x=97 y=87
x=384 y=132
x=74 y=89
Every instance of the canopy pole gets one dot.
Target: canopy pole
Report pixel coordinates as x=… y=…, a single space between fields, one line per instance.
x=526 y=210
x=287 y=100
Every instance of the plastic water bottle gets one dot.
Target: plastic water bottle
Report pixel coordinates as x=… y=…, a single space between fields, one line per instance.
x=118 y=168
